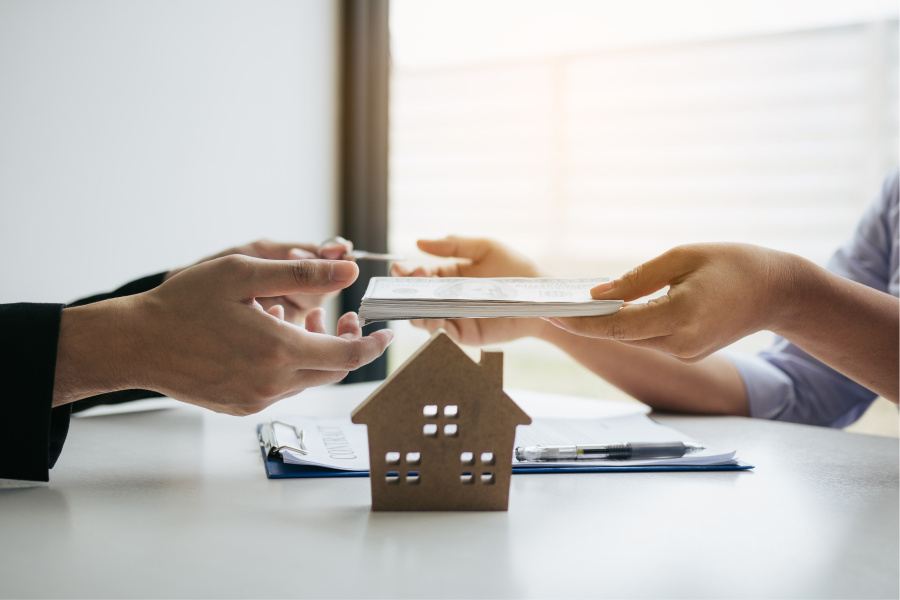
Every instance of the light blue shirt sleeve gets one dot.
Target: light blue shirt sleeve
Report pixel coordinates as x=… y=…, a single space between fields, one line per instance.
x=786 y=383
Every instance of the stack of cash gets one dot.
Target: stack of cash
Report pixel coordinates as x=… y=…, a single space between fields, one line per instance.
x=404 y=298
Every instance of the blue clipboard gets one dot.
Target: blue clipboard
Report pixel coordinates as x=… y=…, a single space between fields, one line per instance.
x=276 y=469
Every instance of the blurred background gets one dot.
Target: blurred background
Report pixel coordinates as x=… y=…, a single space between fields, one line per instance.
x=590 y=134
x=140 y=136
x=596 y=134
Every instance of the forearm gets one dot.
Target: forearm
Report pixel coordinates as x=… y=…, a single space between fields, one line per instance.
x=711 y=386
x=852 y=328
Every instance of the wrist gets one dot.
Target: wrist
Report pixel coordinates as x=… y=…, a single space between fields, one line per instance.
x=797 y=285
x=94 y=350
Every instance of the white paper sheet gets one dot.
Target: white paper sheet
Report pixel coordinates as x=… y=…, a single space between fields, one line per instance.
x=335 y=443
x=539 y=405
x=339 y=444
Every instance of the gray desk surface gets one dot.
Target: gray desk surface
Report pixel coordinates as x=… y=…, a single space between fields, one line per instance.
x=175 y=503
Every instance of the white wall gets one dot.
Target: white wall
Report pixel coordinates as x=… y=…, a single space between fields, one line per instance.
x=138 y=136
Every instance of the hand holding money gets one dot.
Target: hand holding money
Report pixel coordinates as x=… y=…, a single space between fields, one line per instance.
x=477 y=258
x=403 y=299
x=475 y=295
x=718 y=294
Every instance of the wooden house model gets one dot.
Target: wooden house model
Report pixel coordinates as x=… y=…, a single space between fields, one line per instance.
x=441 y=432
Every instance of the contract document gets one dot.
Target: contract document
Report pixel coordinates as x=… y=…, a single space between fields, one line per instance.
x=336 y=443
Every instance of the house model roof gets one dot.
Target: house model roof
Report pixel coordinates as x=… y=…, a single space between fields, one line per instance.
x=439 y=367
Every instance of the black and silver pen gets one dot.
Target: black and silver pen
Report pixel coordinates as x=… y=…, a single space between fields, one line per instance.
x=627 y=451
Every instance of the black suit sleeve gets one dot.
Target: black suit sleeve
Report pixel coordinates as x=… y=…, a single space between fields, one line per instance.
x=32 y=433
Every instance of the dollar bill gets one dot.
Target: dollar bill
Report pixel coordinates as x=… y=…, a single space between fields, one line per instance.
x=502 y=289
x=402 y=298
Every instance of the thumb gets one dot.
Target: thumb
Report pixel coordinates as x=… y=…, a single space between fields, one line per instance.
x=644 y=279
x=269 y=278
x=456 y=247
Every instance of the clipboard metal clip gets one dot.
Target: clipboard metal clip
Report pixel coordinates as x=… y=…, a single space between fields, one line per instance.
x=269 y=441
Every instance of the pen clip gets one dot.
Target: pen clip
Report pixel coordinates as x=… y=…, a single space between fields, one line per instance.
x=365 y=255
x=360 y=254
x=269 y=440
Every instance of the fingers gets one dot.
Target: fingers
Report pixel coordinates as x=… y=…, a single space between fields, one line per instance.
x=446 y=270
x=635 y=322
x=468 y=248
x=327 y=353
x=267 y=278
x=384 y=337
x=279 y=250
x=315 y=321
x=401 y=271
x=430 y=325
x=298 y=254
x=277 y=311
x=647 y=278
x=335 y=248
x=348 y=326
x=457 y=247
x=292 y=314
x=453 y=327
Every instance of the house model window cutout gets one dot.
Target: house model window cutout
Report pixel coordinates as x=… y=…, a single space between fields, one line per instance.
x=441 y=432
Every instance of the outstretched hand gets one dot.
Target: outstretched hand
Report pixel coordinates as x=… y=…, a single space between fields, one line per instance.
x=203 y=337
x=476 y=258
x=718 y=294
x=295 y=307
